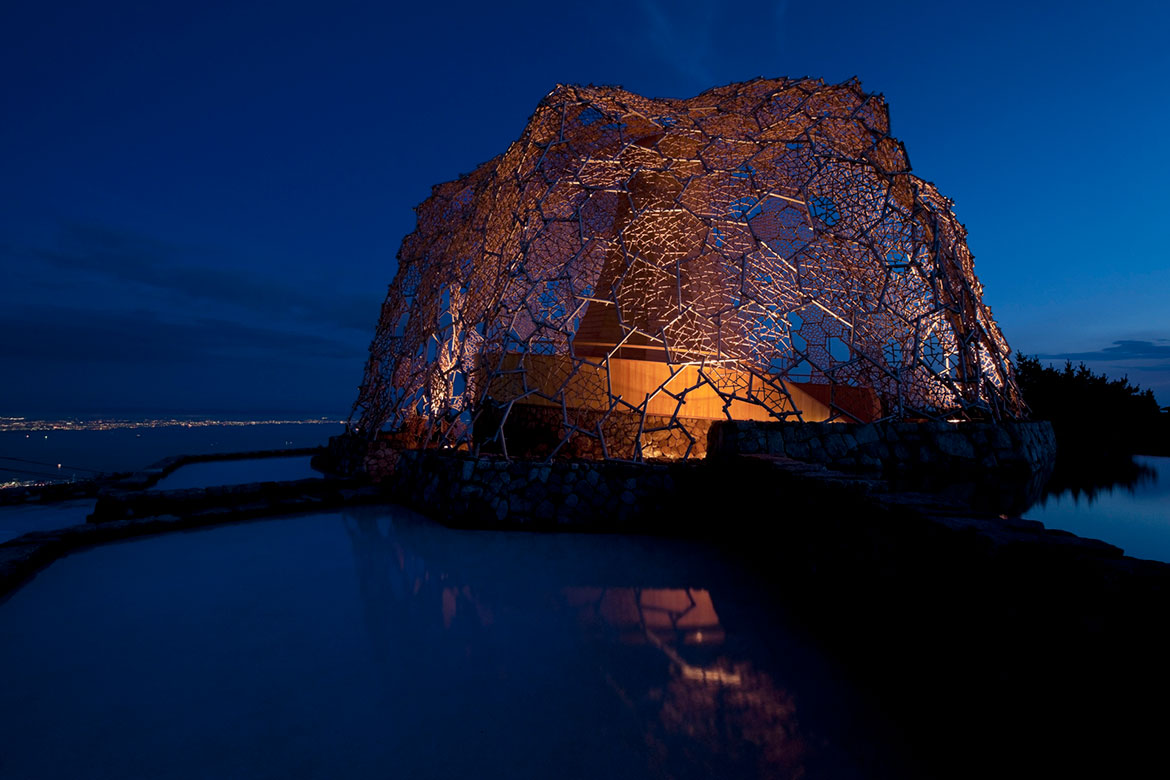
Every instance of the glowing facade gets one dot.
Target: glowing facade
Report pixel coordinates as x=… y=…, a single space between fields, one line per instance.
x=631 y=269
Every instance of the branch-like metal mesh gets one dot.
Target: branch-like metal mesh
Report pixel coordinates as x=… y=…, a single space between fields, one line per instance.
x=631 y=269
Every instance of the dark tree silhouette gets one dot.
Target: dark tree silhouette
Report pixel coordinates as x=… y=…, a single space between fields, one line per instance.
x=1091 y=412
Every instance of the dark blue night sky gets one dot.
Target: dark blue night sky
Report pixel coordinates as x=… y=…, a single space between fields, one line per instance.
x=200 y=203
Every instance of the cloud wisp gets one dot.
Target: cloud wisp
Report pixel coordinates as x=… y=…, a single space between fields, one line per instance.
x=1144 y=362
x=1121 y=350
x=130 y=259
x=55 y=334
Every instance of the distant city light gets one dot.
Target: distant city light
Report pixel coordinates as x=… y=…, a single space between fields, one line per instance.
x=37 y=426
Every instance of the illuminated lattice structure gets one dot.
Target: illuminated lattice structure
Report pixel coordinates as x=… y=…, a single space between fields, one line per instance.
x=631 y=269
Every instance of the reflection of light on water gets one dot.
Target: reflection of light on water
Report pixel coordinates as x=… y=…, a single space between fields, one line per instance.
x=722 y=707
x=712 y=675
x=716 y=676
x=657 y=615
x=661 y=652
x=688 y=613
x=451 y=599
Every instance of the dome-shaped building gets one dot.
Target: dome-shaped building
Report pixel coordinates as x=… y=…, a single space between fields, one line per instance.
x=632 y=269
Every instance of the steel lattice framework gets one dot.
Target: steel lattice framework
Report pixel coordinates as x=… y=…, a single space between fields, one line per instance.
x=631 y=269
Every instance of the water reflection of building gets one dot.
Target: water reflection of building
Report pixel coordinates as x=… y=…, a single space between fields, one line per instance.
x=699 y=705
x=711 y=704
x=683 y=613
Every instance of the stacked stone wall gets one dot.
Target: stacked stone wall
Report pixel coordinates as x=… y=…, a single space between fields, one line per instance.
x=962 y=447
x=601 y=495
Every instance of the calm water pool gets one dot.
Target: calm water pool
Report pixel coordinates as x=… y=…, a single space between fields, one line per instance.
x=375 y=643
x=235 y=472
x=1134 y=514
x=26 y=454
x=19 y=519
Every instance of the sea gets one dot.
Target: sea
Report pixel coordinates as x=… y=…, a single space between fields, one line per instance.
x=60 y=449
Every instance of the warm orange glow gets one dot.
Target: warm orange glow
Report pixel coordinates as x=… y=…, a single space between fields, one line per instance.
x=686 y=612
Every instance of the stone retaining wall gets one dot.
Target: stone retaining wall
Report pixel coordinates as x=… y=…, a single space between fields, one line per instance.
x=587 y=495
x=458 y=487
x=963 y=447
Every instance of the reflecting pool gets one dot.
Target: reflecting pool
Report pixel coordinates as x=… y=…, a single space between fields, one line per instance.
x=1125 y=503
x=19 y=519
x=374 y=643
x=235 y=472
